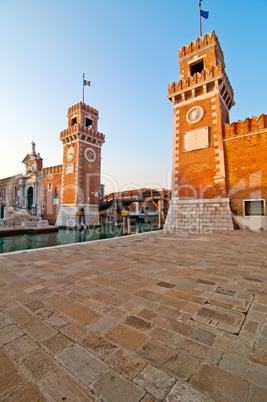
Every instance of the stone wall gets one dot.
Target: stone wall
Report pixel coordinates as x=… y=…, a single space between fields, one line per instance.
x=199 y=216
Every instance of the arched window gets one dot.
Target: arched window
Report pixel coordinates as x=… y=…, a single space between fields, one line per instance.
x=15 y=192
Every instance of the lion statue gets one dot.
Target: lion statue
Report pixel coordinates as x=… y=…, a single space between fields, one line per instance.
x=18 y=215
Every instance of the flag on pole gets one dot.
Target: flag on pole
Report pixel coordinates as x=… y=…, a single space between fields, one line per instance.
x=204 y=14
x=86 y=83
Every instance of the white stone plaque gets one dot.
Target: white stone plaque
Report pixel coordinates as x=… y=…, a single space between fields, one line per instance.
x=70 y=168
x=196 y=139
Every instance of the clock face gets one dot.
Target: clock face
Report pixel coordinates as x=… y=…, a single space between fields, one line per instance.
x=90 y=154
x=70 y=153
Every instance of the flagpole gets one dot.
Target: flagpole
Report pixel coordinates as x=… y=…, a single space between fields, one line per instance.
x=200 y=18
x=83 y=87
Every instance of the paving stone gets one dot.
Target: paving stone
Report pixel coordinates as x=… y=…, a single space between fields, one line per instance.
x=183 y=365
x=218 y=384
x=231 y=300
x=99 y=345
x=33 y=289
x=58 y=321
x=155 y=382
x=165 y=336
x=220 y=318
x=57 y=343
x=21 y=347
x=137 y=323
x=75 y=331
x=146 y=294
x=203 y=336
x=34 y=305
x=112 y=387
x=166 y=285
x=147 y=314
x=258 y=356
x=25 y=393
x=9 y=333
x=182 y=392
x=80 y=313
x=40 y=331
x=201 y=351
x=57 y=301
x=230 y=345
x=173 y=325
x=10 y=375
x=257 y=394
x=62 y=386
x=126 y=337
x=156 y=352
x=245 y=369
x=81 y=363
x=19 y=314
x=37 y=364
x=5 y=321
x=125 y=363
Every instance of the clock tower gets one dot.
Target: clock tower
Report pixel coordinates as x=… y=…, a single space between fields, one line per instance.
x=81 y=166
x=201 y=103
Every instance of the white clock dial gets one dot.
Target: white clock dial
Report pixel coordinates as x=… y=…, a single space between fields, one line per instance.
x=70 y=153
x=195 y=114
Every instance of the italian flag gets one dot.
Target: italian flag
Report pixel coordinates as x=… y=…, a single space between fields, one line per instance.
x=86 y=83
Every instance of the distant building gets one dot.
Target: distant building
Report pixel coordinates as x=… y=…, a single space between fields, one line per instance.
x=219 y=169
x=56 y=193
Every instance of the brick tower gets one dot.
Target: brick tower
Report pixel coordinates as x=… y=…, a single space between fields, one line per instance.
x=81 y=166
x=201 y=103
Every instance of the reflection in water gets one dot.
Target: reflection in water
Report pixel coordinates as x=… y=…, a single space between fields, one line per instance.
x=63 y=236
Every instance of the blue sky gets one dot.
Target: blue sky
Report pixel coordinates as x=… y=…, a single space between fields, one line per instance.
x=128 y=50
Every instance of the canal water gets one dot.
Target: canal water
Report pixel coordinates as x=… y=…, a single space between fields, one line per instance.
x=64 y=236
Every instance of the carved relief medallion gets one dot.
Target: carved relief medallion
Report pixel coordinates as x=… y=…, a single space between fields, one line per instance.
x=195 y=114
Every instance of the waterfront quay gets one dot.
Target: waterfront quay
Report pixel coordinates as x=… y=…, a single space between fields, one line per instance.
x=159 y=316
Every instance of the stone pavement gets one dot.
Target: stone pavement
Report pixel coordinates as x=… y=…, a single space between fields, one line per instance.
x=158 y=316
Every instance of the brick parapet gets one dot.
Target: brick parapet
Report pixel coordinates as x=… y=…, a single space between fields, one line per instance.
x=52 y=170
x=205 y=75
x=200 y=43
x=82 y=106
x=248 y=126
x=77 y=128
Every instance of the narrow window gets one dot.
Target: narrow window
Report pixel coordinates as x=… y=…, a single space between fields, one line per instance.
x=88 y=122
x=15 y=192
x=4 y=194
x=49 y=186
x=254 y=208
x=196 y=68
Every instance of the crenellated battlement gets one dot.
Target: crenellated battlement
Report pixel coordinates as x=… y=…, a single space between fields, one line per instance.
x=82 y=106
x=248 y=126
x=197 y=78
x=52 y=170
x=199 y=43
x=78 y=129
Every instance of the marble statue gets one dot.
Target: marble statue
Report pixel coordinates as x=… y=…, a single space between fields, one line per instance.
x=18 y=215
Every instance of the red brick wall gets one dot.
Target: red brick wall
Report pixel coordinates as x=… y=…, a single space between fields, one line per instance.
x=51 y=207
x=245 y=145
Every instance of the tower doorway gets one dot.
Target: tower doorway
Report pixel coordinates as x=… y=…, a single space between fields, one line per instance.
x=29 y=198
